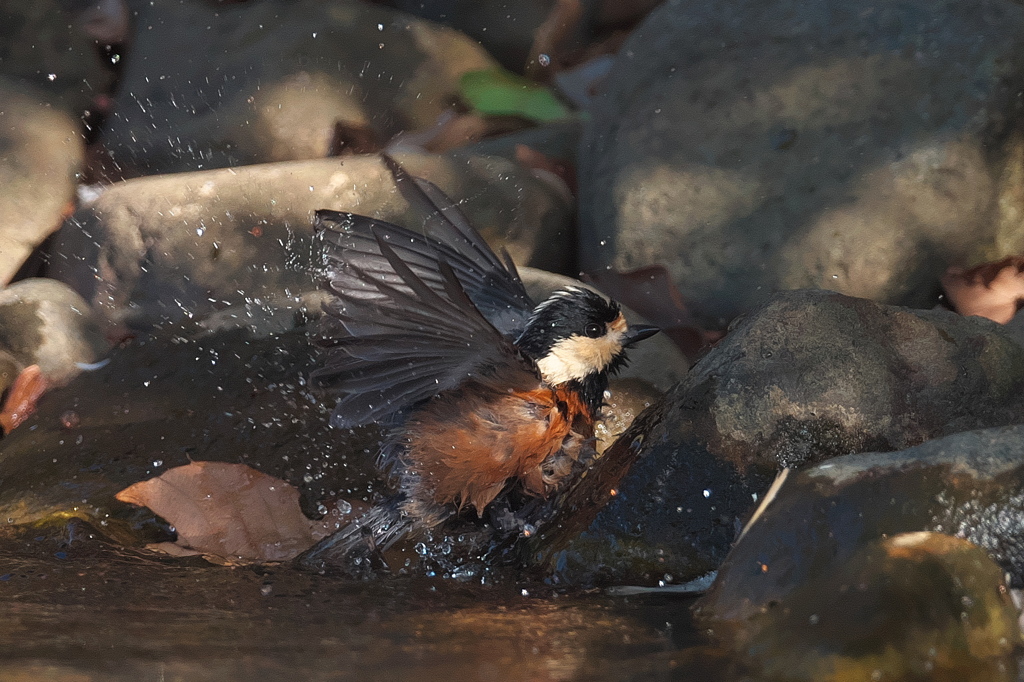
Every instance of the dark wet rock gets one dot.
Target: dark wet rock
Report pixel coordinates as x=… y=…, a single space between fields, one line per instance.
x=912 y=606
x=163 y=248
x=179 y=397
x=558 y=140
x=970 y=485
x=45 y=323
x=41 y=151
x=269 y=81
x=46 y=44
x=853 y=146
x=10 y=367
x=657 y=361
x=809 y=376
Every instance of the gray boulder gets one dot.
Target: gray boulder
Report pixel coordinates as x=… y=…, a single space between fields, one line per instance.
x=269 y=81
x=756 y=146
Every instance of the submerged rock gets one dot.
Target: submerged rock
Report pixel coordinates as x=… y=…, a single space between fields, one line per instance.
x=809 y=376
x=164 y=248
x=911 y=606
x=854 y=146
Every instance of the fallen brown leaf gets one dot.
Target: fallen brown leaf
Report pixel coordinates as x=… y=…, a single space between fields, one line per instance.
x=25 y=392
x=232 y=511
x=993 y=290
x=651 y=292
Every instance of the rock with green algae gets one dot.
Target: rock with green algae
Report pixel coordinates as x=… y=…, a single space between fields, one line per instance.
x=970 y=485
x=913 y=606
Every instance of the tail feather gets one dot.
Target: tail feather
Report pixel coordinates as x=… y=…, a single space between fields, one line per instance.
x=356 y=548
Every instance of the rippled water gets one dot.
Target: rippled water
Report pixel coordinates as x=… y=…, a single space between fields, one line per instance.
x=92 y=611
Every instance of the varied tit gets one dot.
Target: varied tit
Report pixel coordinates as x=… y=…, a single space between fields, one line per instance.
x=481 y=391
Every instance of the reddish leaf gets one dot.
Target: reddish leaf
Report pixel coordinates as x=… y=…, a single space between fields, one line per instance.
x=550 y=36
x=26 y=391
x=232 y=511
x=992 y=290
x=651 y=292
x=352 y=138
x=533 y=159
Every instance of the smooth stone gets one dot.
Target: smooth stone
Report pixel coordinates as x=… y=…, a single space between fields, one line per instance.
x=43 y=322
x=46 y=45
x=41 y=152
x=165 y=248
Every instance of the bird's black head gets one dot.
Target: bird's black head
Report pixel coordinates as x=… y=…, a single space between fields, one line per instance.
x=578 y=336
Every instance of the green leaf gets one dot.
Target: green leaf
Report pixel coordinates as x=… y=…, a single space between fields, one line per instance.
x=496 y=92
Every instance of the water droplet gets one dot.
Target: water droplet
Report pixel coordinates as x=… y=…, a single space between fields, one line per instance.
x=707 y=493
x=158 y=462
x=51 y=77
x=543 y=60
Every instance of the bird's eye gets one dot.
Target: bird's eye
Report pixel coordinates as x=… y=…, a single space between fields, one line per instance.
x=594 y=330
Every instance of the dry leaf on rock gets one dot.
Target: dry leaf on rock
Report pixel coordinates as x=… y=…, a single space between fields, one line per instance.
x=992 y=290
x=21 y=401
x=232 y=511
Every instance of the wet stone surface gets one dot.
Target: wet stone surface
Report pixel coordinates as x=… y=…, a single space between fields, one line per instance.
x=909 y=606
x=970 y=485
x=809 y=376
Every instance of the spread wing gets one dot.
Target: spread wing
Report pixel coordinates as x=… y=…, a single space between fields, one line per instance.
x=492 y=283
x=401 y=329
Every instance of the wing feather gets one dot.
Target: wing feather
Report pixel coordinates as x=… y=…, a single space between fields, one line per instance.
x=394 y=339
x=492 y=283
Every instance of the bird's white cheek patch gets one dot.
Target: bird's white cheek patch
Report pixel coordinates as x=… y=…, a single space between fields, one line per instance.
x=579 y=356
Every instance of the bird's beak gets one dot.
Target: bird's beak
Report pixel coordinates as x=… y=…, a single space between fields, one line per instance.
x=638 y=332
